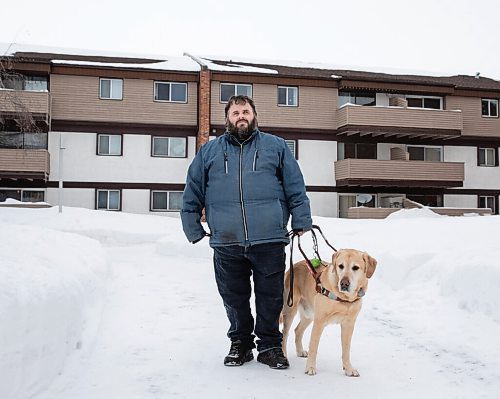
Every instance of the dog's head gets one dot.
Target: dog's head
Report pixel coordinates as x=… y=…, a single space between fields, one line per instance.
x=352 y=269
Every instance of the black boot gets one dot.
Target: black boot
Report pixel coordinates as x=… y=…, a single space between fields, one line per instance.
x=274 y=358
x=238 y=354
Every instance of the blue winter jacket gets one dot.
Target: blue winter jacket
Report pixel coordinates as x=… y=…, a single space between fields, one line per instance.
x=248 y=190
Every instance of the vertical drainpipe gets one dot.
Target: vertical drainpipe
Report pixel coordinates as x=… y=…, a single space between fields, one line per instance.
x=203 y=103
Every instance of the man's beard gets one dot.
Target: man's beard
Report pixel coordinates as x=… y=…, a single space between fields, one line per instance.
x=242 y=132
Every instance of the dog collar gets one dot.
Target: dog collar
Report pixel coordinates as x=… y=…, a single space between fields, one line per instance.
x=331 y=295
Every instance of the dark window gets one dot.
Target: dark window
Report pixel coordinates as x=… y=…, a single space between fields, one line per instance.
x=488 y=201
x=227 y=90
x=171 y=92
x=424 y=102
x=489 y=107
x=359 y=150
x=358 y=98
x=487 y=157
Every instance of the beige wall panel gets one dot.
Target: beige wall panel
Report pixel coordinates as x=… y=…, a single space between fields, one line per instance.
x=474 y=123
x=316 y=110
x=137 y=104
x=401 y=117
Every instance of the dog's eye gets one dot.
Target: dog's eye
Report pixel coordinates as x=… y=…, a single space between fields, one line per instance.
x=355 y=268
x=341 y=266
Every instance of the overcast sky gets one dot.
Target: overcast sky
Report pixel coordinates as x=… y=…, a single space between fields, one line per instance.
x=434 y=36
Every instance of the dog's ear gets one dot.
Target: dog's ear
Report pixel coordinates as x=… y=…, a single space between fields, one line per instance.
x=371 y=264
x=334 y=262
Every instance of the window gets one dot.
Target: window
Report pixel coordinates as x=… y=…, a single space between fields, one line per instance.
x=227 y=90
x=108 y=200
x=109 y=144
x=357 y=150
x=347 y=201
x=22 y=195
x=358 y=98
x=425 y=153
x=486 y=157
x=487 y=201
x=166 y=200
x=424 y=102
x=292 y=145
x=23 y=82
x=111 y=89
x=426 y=200
x=288 y=96
x=489 y=108
x=171 y=92
x=32 y=196
x=174 y=147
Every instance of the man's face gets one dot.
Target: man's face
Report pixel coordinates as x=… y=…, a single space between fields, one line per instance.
x=240 y=120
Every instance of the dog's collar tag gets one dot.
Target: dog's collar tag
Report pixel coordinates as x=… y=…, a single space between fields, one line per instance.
x=331 y=295
x=361 y=292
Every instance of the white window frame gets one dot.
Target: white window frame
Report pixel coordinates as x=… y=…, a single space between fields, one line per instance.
x=235 y=90
x=169 y=154
x=110 y=136
x=167 y=209
x=441 y=150
x=170 y=92
x=489 y=161
x=423 y=97
x=108 y=208
x=292 y=145
x=115 y=90
x=486 y=197
x=489 y=100
x=288 y=88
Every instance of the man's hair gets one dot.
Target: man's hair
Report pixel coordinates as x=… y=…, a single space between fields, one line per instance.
x=240 y=100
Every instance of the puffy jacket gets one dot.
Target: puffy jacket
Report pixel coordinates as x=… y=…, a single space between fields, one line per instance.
x=248 y=190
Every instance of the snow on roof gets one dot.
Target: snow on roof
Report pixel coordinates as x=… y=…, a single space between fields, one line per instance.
x=323 y=66
x=172 y=64
x=234 y=67
x=148 y=61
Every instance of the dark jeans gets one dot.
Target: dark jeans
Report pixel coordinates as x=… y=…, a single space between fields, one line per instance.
x=233 y=267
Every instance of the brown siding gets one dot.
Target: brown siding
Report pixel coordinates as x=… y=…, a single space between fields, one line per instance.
x=24 y=163
x=18 y=101
x=77 y=98
x=474 y=123
x=399 y=117
x=316 y=110
x=399 y=170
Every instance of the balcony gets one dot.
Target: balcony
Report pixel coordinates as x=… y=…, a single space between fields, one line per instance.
x=24 y=164
x=398 y=173
x=15 y=102
x=399 y=122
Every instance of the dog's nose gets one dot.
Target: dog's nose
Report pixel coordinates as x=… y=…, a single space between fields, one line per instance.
x=344 y=284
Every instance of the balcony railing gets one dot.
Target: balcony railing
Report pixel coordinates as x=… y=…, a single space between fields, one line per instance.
x=13 y=102
x=24 y=164
x=398 y=173
x=431 y=121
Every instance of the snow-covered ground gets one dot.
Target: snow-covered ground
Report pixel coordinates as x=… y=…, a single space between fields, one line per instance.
x=100 y=305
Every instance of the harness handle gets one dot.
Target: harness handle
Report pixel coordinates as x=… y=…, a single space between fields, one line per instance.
x=310 y=267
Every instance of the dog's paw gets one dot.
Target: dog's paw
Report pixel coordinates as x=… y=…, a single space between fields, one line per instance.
x=302 y=353
x=310 y=370
x=350 y=372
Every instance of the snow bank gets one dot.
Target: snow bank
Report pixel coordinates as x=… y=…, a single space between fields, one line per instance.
x=52 y=287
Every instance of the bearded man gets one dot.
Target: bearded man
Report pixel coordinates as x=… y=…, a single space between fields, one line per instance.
x=249 y=184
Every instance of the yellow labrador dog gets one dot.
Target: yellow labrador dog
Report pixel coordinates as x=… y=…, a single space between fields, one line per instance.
x=335 y=299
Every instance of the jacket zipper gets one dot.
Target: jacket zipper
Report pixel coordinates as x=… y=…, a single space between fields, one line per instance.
x=245 y=228
x=256 y=155
x=225 y=162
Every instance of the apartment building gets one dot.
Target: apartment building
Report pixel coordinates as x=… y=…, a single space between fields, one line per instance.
x=129 y=128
